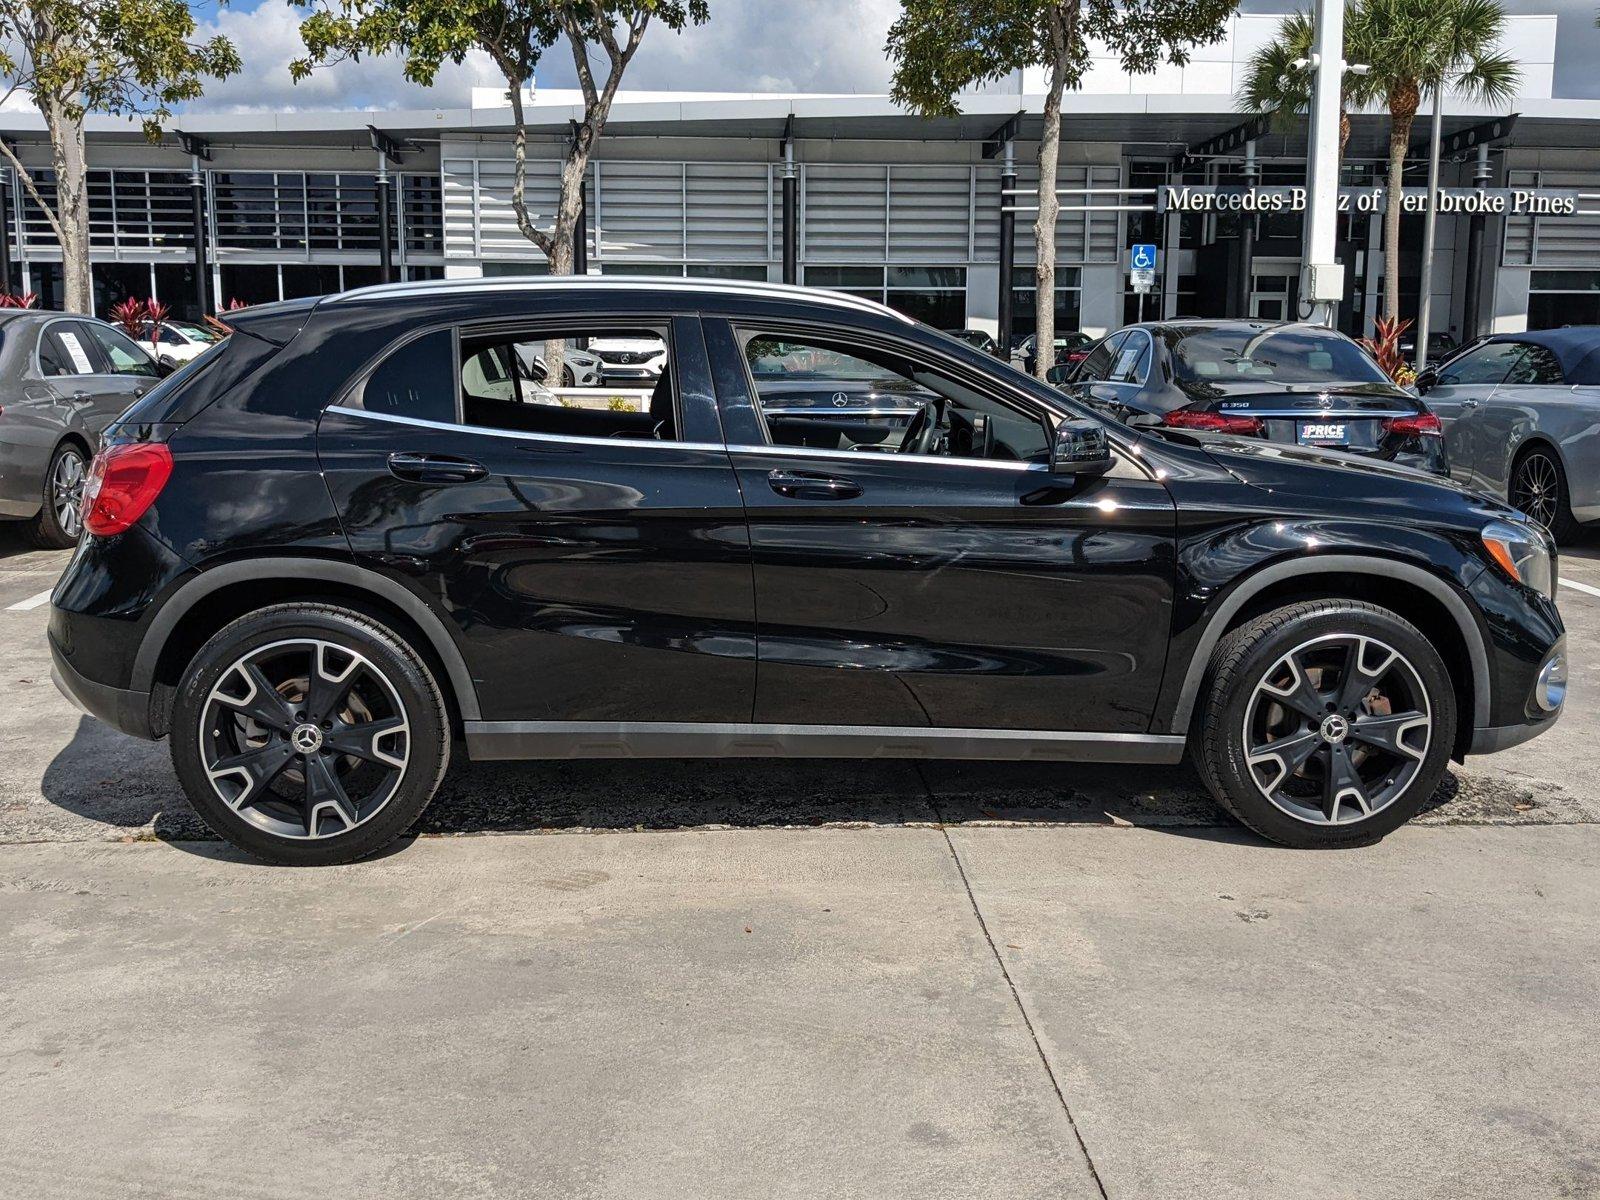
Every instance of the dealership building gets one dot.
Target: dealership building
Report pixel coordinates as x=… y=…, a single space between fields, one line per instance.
x=883 y=203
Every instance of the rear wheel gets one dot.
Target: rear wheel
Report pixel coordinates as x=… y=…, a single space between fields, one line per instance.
x=1539 y=488
x=309 y=734
x=60 y=518
x=1326 y=723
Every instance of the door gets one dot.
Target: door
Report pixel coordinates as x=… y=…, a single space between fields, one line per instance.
x=1462 y=388
x=952 y=582
x=127 y=372
x=594 y=561
x=85 y=389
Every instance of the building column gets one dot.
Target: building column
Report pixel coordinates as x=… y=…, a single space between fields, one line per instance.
x=1247 y=236
x=580 y=235
x=791 y=208
x=1472 y=287
x=1008 y=252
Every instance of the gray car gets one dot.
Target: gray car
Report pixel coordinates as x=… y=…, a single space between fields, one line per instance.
x=63 y=378
x=1521 y=414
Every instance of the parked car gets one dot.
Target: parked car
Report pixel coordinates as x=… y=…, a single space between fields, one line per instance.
x=1440 y=345
x=174 y=343
x=1520 y=412
x=63 y=379
x=579 y=367
x=976 y=338
x=1067 y=346
x=1294 y=384
x=630 y=360
x=320 y=556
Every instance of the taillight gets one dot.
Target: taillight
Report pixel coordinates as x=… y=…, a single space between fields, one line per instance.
x=1212 y=422
x=123 y=483
x=1421 y=425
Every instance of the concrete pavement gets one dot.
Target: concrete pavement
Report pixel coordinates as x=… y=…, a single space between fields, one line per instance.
x=794 y=979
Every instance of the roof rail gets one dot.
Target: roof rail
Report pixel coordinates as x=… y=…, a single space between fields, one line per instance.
x=780 y=291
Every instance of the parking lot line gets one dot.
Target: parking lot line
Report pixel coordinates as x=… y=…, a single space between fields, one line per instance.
x=1582 y=587
x=43 y=598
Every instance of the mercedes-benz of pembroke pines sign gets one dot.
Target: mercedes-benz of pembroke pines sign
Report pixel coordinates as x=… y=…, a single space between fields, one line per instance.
x=1555 y=202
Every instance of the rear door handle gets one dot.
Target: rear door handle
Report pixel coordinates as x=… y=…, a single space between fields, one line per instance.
x=435 y=468
x=803 y=485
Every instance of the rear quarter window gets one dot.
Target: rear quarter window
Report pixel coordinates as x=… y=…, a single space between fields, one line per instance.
x=418 y=380
x=198 y=383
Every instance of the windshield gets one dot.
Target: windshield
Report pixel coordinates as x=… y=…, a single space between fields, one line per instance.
x=1279 y=354
x=198 y=333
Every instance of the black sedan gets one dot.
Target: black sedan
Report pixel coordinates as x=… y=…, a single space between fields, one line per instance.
x=1293 y=383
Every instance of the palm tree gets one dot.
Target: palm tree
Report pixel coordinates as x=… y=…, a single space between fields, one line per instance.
x=1274 y=86
x=1414 y=46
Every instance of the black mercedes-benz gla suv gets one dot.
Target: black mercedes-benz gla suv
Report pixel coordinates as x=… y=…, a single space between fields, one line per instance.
x=357 y=535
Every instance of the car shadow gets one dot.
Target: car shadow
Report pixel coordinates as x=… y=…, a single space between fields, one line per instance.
x=129 y=786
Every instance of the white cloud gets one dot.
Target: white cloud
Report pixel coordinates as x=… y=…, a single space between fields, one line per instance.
x=748 y=45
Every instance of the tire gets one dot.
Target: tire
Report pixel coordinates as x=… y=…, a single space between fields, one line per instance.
x=60 y=519
x=249 y=748
x=1538 y=487
x=568 y=379
x=1271 y=681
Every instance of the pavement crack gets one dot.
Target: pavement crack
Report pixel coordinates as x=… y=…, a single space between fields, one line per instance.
x=1016 y=996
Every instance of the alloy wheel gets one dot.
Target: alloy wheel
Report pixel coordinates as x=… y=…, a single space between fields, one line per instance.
x=66 y=491
x=1337 y=729
x=304 y=738
x=1536 y=490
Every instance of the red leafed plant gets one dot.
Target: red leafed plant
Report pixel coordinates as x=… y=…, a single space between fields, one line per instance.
x=155 y=312
x=1385 y=348
x=221 y=326
x=130 y=314
x=19 y=299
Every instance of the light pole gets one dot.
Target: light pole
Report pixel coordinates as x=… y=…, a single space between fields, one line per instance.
x=1425 y=301
x=1322 y=276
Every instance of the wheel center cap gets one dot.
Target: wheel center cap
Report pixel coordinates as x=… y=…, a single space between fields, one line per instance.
x=1335 y=728
x=307 y=739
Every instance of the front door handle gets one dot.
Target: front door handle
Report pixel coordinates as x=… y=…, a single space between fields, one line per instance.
x=1469 y=402
x=435 y=468
x=803 y=485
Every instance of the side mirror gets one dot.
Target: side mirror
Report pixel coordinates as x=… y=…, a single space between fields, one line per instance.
x=1427 y=381
x=163 y=369
x=1059 y=374
x=1080 y=447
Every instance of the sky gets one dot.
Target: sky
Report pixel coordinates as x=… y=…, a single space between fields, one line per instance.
x=748 y=46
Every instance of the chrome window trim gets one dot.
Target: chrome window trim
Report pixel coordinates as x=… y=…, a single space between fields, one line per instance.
x=859 y=456
x=518 y=435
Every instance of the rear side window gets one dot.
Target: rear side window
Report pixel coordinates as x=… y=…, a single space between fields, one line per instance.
x=1098 y=365
x=417 y=380
x=200 y=381
x=125 y=357
x=64 y=350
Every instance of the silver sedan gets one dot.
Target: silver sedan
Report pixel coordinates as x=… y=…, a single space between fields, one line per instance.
x=63 y=378
x=1521 y=414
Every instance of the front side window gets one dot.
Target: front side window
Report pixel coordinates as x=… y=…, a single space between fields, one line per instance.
x=125 y=356
x=1097 y=367
x=820 y=394
x=1489 y=363
x=1133 y=359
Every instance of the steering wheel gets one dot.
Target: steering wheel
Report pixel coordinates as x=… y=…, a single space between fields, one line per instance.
x=923 y=432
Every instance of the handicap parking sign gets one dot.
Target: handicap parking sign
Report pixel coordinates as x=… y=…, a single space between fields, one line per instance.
x=1142 y=257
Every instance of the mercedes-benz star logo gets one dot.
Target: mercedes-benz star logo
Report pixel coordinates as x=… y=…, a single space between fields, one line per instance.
x=1324 y=400
x=307 y=739
x=1335 y=728
x=840 y=399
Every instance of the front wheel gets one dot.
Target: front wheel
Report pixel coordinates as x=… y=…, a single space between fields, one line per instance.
x=308 y=734
x=1327 y=723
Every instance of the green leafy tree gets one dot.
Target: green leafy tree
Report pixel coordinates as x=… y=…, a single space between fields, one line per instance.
x=120 y=57
x=602 y=35
x=1416 y=46
x=942 y=48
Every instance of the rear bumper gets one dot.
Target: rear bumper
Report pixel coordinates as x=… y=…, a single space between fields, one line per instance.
x=121 y=708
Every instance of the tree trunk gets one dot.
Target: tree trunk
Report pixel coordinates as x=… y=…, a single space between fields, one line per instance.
x=1403 y=103
x=1044 y=225
x=72 y=204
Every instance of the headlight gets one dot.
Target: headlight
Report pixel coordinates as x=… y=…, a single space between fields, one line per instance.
x=1523 y=553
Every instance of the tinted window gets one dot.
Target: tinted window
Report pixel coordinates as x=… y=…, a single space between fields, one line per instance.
x=201 y=380
x=1133 y=360
x=1101 y=359
x=417 y=380
x=65 y=350
x=1285 y=354
x=1487 y=364
x=1538 y=365
x=125 y=357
